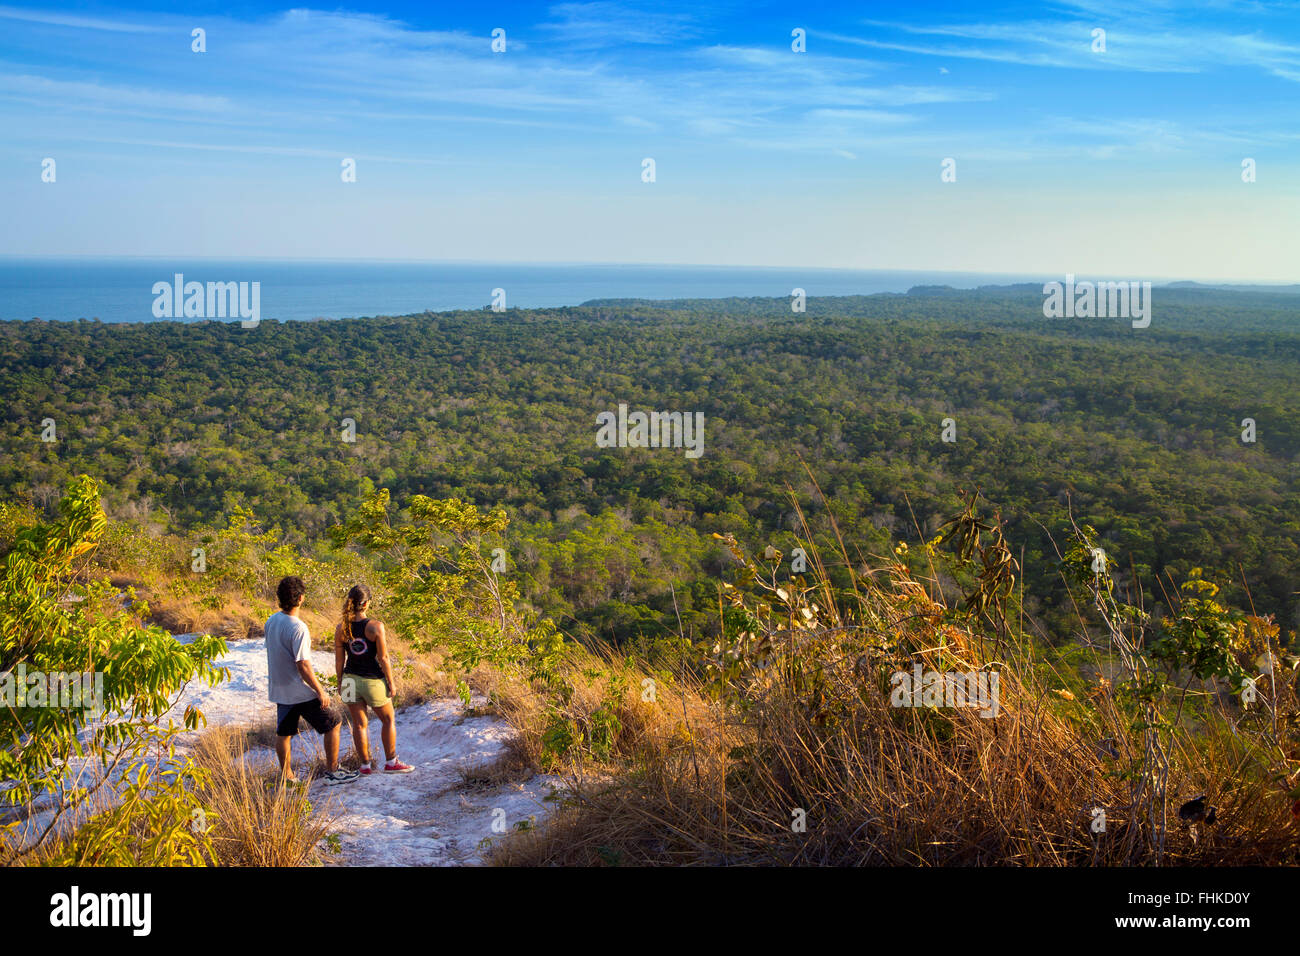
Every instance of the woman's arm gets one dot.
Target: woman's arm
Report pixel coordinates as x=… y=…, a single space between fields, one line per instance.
x=376 y=630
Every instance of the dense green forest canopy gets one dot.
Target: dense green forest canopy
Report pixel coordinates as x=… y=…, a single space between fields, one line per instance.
x=1139 y=431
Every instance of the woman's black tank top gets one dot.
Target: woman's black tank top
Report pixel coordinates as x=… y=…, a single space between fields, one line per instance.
x=362 y=653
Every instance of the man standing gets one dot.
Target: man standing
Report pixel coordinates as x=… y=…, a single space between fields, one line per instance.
x=293 y=686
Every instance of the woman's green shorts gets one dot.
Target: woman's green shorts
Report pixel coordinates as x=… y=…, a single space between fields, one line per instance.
x=355 y=689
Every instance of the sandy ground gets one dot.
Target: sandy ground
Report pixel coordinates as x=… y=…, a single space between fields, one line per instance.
x=424 y=818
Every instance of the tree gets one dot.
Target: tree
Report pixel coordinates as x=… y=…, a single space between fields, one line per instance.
x=85 y=686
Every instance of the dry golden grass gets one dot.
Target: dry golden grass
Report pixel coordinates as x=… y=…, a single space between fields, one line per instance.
x=891 y=786
x=421 y=675
x=509 y=767
x=178 y=608
x=829 y=772
x=256 y=819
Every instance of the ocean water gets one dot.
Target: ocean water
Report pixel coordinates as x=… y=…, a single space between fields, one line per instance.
x=121 y=289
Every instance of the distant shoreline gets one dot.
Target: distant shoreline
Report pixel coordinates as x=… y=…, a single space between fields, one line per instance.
x=779 y=303
x=121 y=290
x=124 y=290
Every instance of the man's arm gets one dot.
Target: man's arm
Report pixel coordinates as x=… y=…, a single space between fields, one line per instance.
x=309 y=677
x=303 y=648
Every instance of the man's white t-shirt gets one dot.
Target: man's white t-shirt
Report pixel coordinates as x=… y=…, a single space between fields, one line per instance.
x=287 y=641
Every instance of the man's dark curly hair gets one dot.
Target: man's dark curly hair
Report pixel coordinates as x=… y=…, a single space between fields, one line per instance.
x=290 y=592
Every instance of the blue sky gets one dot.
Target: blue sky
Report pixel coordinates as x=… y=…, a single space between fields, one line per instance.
x=1125 y=163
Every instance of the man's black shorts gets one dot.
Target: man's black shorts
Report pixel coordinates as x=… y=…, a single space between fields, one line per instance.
x=322 y=719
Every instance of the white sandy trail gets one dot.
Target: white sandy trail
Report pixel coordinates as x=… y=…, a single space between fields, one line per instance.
x=424 y=818
x=428 y=817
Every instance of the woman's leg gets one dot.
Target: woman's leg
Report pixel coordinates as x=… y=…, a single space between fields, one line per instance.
x=389 y=731
x=360 y=738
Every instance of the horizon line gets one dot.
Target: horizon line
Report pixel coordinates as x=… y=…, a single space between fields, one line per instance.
x=1027 y=275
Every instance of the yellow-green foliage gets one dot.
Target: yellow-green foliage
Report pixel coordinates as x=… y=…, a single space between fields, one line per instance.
x=443 y=590
x=53 y=624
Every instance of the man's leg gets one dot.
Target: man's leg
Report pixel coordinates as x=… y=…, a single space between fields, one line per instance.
x=332 y=748
x=286 y=725
x=327 y=723
x=284 y=752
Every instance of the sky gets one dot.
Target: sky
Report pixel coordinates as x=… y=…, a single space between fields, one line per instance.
x=1124 y=162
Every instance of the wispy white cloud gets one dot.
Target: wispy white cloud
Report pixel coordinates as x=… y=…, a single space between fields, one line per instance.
x=267 y=149
x=50 y=93
x=1141 y=37
x=859 y=117
x=606 y=23
x=1041 y=44
x=75 y=22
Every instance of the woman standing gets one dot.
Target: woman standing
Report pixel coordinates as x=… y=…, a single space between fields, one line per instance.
x=366 y=679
